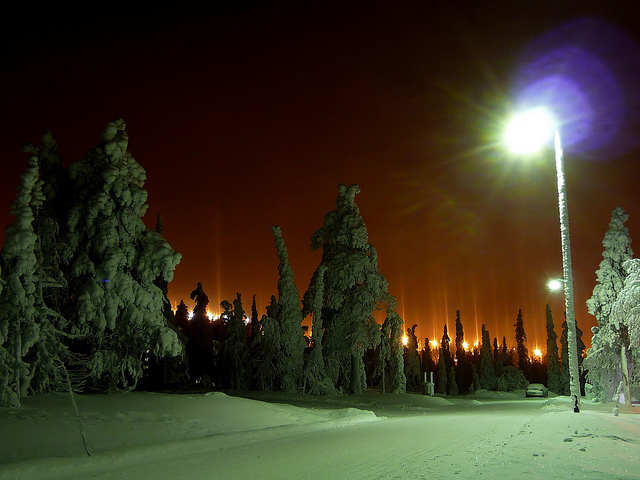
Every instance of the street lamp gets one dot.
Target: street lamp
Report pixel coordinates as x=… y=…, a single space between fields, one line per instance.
x=527 y=133
x=555 y=284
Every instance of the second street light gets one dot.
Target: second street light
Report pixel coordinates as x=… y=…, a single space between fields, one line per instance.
x=527 y=133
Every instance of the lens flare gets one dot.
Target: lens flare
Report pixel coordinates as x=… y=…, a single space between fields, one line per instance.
x=530 y=130
x=586 y=73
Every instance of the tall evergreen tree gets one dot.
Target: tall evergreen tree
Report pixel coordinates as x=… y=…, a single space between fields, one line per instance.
x=394 y=324
x=116 y=260
x=94 y=266
x=19 y=330
x=441 y=384
x=554 y=382
x=445 y=348
x=412 y=361
x=625 y=322
x=50 y=356
x=254 y=325
x=267 y=348
x=315 y=379
x=521 y=349
x=383 y=354
x=427 y=364
x=353 y=289
x=462 y=365
x=235 y=348
x=200 y=345
x=452 y=385
x=289 y=318
x=603 y=360
x=182 y=317
x=31 y=327
x=487 y=379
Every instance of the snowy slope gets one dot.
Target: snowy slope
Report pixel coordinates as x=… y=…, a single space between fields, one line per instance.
x=203 y=436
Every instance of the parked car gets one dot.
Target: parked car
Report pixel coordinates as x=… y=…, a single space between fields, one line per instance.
x=537 y=390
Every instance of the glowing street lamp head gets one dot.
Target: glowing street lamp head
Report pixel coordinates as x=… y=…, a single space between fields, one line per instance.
x=555 y=284
x=529 y=131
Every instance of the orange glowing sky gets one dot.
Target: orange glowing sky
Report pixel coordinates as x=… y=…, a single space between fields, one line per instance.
x=244 y=117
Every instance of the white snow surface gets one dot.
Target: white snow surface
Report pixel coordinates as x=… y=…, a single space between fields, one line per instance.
x=266 y=435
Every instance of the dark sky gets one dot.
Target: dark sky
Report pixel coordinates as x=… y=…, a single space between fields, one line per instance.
x=246 y=116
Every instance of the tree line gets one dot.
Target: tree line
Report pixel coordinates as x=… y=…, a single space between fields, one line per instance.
x=273 y=353
x=491 y=365
x=83 y=302
x=83 y=285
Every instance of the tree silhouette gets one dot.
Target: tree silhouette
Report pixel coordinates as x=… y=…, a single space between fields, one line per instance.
x=554 y=382
x=353 y=290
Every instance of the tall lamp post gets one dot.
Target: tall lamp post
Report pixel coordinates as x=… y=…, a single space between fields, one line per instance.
x=526 y=133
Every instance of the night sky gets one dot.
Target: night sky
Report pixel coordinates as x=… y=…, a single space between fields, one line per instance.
x=248 y=116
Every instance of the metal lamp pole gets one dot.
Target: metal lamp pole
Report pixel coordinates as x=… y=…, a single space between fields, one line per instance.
x=572 y=342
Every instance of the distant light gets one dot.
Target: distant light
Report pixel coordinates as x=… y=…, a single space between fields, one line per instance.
x=405 y=340
x=529 y=131
x=554 y=284
x=190 y=315
x=537 y=352
x=434 y=343
x=465 y=345
x=210 y=316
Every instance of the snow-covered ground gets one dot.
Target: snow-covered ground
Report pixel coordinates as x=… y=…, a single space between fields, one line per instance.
x=198 y=436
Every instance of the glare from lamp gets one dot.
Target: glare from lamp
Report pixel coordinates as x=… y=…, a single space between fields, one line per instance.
x=529 y=131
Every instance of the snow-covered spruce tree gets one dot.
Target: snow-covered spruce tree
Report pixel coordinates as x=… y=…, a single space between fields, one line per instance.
x=30 y=330
x=426 y=362
x=289 y=318
x=445 y=346
x=8 y=394
x=488 y=379
x=19 y=330
x=392 y=350
x=353 y=289
x=511 y=379
x=624 y=324
x=116 y=259
x=462 y=367
x=441 y=383
x=237 y=361
x=50 y=358
x=521 y=348
x=383 y=355
x=315 y=379
x=268 y=368
x=554 y=382
x=162 y=283
x=603 y=360
x=412 y=361
x=181 y=317
x=254 y=324
x=200 y=332
x=452 y=385
x=475 y=379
